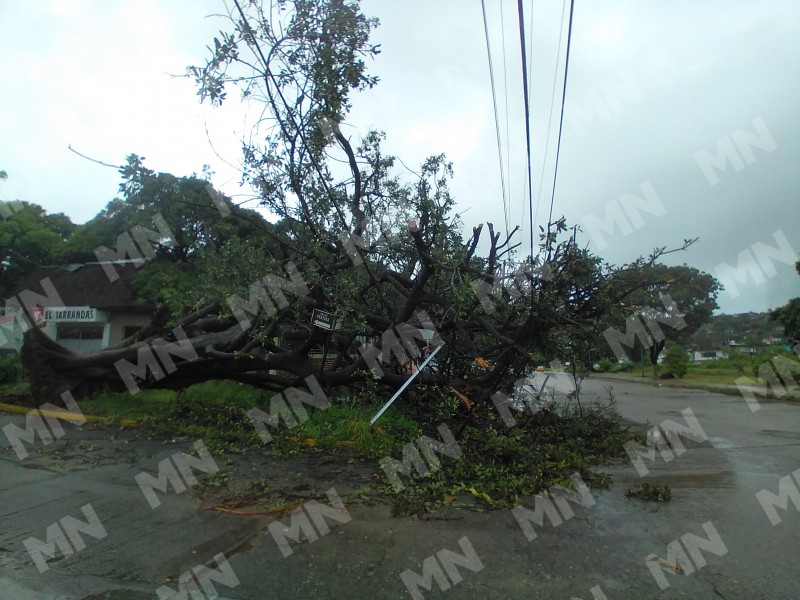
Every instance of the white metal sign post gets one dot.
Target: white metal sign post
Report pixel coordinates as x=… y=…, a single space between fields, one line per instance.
x=406 y=384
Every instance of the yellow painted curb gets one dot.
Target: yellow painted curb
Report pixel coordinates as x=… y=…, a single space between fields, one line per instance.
x=68 y=416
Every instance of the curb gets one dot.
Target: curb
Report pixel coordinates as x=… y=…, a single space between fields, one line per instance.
x=717 y=388
x=68 y=416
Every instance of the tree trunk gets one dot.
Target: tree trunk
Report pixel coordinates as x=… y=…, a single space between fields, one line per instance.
x=655 y=352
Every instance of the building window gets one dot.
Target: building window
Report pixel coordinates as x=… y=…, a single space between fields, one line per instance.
x=130 y=331
x=80 y=332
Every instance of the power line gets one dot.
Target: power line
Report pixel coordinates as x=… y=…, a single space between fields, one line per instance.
x=527 y=114
x=561 y=119
x=496 y=119
x=505 y=95
x=530 y=78
x=552 y=106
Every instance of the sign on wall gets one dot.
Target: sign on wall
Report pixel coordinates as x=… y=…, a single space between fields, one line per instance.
x=74 y=314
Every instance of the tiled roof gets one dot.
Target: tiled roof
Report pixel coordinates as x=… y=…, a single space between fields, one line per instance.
x=88 y=284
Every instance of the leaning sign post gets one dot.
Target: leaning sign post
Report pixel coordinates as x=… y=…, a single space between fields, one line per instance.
x=406 y=384
x=324 y=320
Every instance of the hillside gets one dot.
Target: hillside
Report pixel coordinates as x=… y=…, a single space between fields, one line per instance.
x=746 y=328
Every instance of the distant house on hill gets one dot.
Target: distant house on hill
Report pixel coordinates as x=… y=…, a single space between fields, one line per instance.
x=743 y=348
x=701 y=355
x=84 y=307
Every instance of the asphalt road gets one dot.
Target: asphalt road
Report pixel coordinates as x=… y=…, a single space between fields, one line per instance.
x=120 y=547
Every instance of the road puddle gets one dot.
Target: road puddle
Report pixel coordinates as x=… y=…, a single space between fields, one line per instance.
x=718 y=442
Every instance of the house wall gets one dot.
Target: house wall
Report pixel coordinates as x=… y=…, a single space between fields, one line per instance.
x=12 y=332
x=119 y=321
x=80 y=346
x=700 y=355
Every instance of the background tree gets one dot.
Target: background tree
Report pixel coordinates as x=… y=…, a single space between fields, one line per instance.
x=681 y=296
x=190 y=208
x=789 y=316
x=205 y=230
x=31 y=237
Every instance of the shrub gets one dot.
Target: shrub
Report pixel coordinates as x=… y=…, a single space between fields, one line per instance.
x=605 y=365
x=676 y=361
x=10 y=369
x=765 y=362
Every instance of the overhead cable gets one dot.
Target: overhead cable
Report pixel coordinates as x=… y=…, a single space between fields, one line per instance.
x=496 y=119
x=552 y=107
x=561 y=119
x=527 y=115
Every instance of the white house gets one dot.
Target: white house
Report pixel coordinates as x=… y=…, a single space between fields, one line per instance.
x=701 y=355
x=84 y=307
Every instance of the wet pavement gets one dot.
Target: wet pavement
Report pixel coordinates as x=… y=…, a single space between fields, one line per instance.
x=715 y=529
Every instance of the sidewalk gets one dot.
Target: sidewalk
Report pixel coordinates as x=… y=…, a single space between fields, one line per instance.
x=721 y=388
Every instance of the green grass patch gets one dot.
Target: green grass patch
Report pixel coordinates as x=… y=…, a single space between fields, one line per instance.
x=146 y=404
x=698 y=374
x=217 y=413
x=13 y=392
x=348 y=424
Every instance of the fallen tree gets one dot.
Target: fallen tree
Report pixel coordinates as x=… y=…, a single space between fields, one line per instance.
x=385 y=257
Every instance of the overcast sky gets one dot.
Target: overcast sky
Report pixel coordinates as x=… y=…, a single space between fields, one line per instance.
x=681 y=117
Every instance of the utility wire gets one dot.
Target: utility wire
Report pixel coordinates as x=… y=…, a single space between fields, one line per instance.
x=561 y=120
x=552 y=106
x=530 y=78
x=496 y=119
x=505 y=95
x=527 y=114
